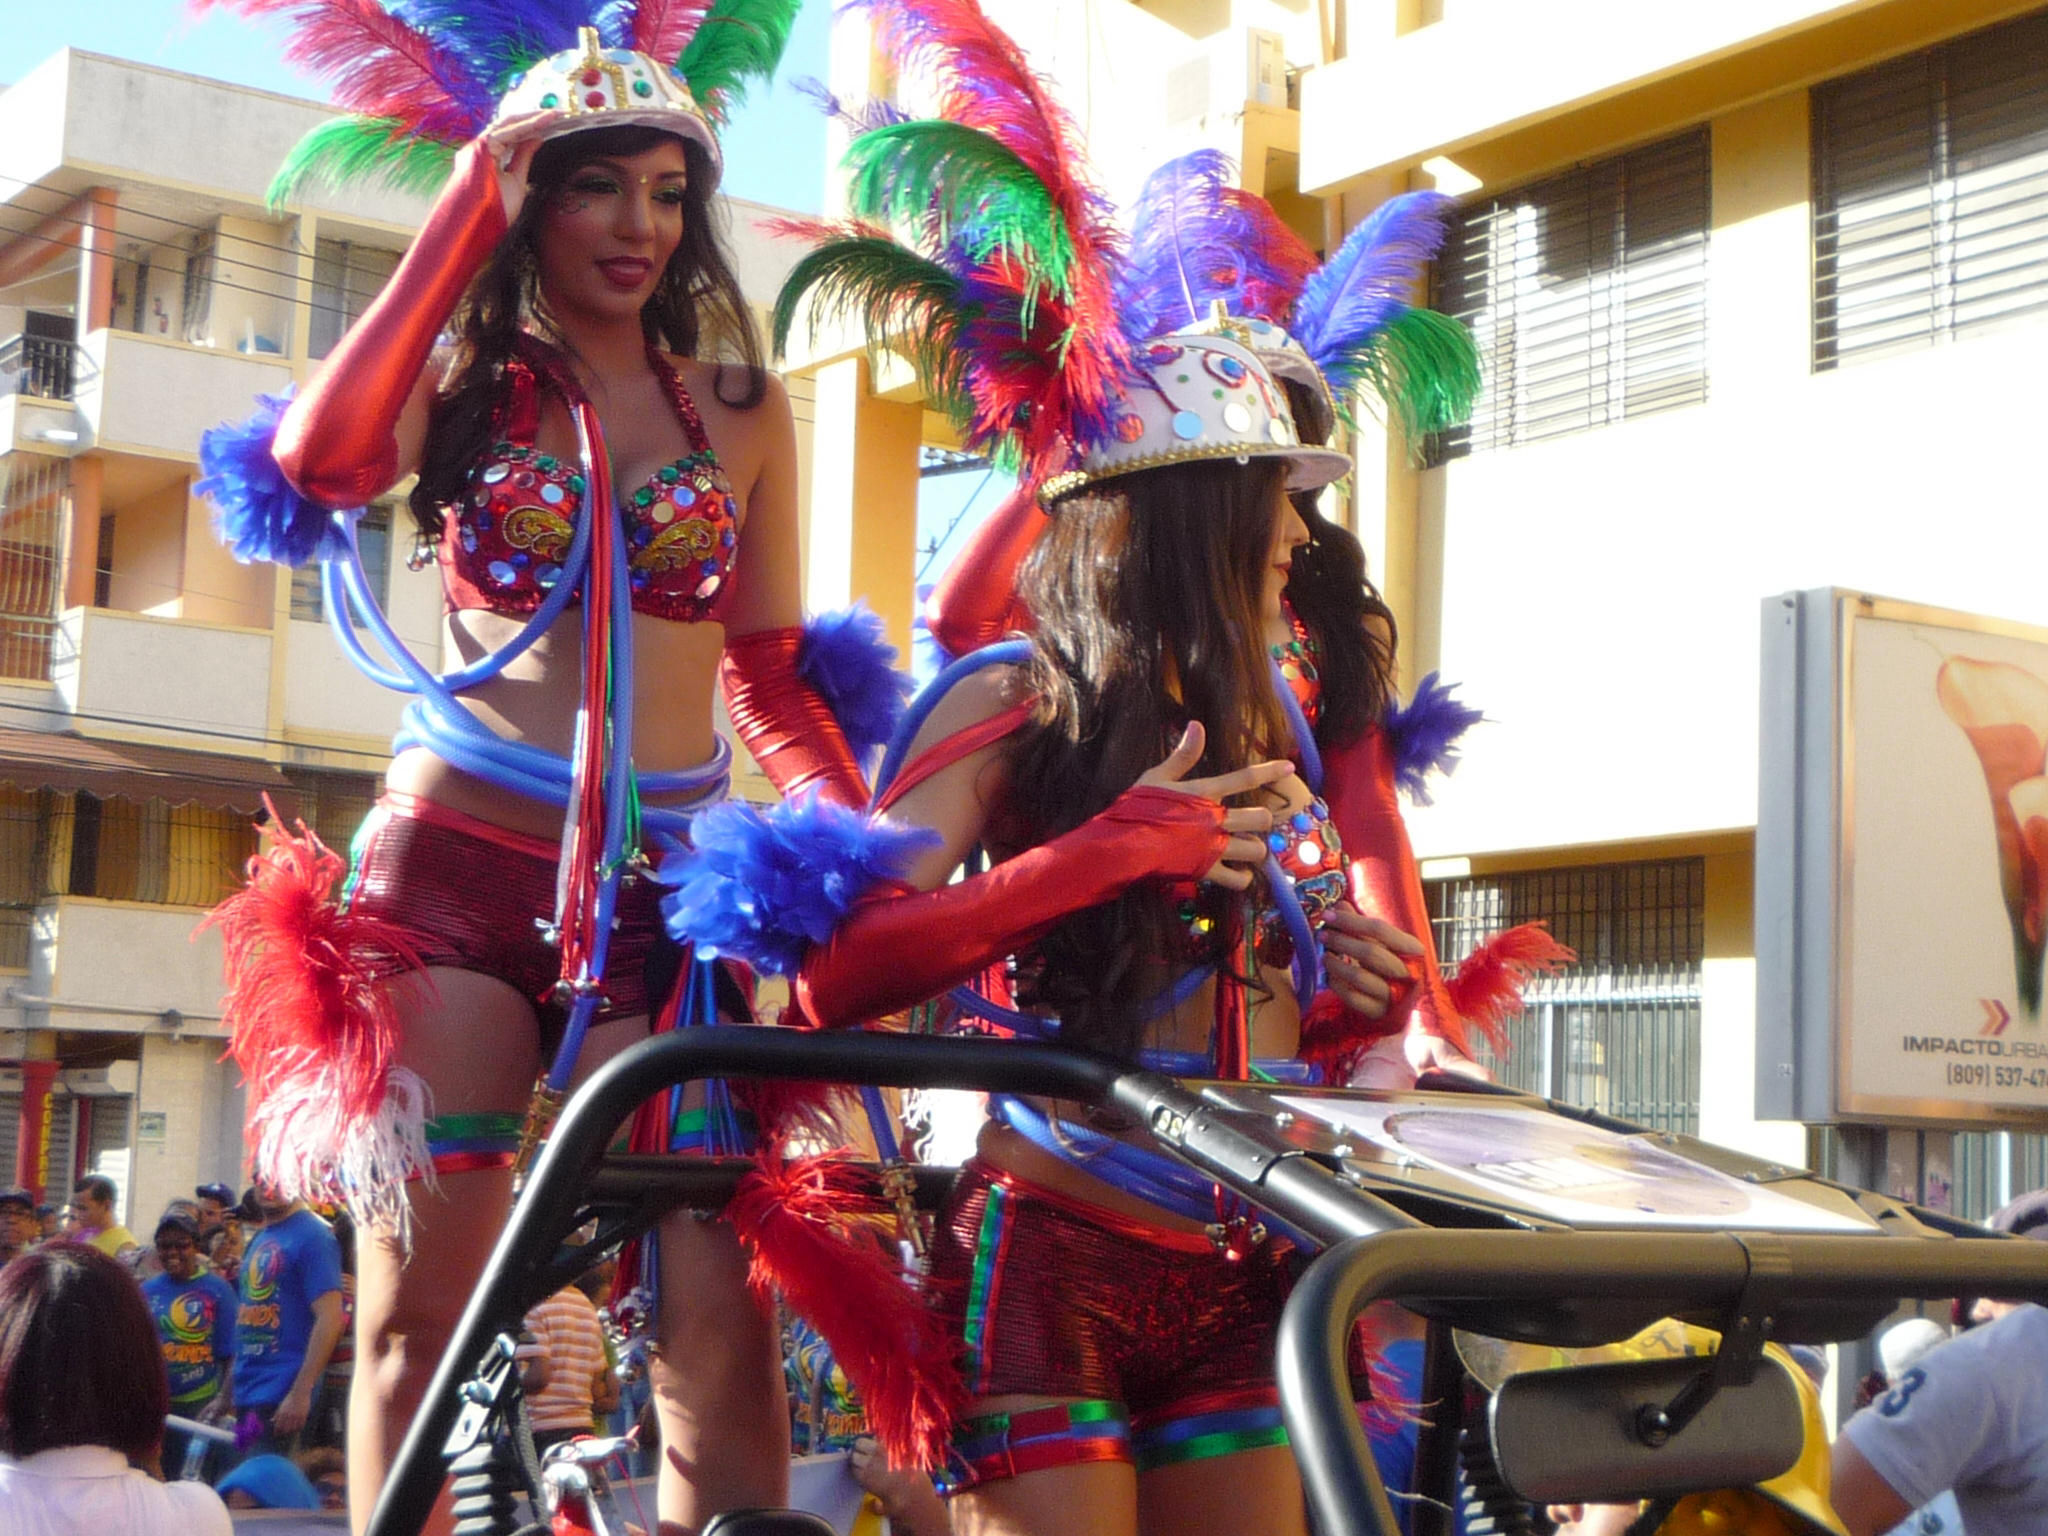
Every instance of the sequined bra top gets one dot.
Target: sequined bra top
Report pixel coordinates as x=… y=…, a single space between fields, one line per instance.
x=503 y=546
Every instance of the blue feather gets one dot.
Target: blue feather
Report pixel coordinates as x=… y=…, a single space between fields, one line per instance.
x=1197 y=238
x=1424 y=735
x=256 y=512
x=859 y=116
x=763 y=886
x=847 y=657
x=1367 y=283
x=499 y=39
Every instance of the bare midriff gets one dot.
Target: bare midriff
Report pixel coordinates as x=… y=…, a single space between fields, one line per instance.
x=1275 y=1031
x=535 y=699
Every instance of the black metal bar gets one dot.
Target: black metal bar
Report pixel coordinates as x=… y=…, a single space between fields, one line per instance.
x=547 y=1210
x=1698 y=1272
x=1436 y=1440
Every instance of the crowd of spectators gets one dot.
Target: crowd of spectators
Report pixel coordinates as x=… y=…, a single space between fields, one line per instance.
x=242 y=1304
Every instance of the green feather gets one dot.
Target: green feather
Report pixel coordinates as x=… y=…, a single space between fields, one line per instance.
x=737 y=41
x=344 y=151
x=904 y=302
x=1425 y=369
x=947 y=179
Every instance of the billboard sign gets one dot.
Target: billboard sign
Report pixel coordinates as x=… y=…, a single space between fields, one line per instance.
x=1901 y=864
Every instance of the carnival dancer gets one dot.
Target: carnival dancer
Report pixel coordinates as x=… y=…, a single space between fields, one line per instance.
x=1117 y=1312
x=606 y=476
x=1203 y=253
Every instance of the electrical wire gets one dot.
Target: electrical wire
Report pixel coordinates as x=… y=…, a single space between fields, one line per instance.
x=183 y=730
x=940 y=543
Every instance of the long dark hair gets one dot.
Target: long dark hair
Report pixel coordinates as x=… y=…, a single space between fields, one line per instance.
x=1334 y=597
x=80 y=1362
x=697 y=305
x=1147 y=593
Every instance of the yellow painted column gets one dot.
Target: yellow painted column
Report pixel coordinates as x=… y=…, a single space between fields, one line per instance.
x=1728 y=1020
x=863 y=503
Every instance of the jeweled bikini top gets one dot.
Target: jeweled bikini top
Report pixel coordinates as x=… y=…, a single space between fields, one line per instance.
x=502 y=548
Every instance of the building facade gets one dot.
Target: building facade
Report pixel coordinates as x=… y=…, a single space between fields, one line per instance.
x=153 y=692
x=1758 y=290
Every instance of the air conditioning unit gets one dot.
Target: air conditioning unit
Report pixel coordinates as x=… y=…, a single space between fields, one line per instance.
x=1225 y=73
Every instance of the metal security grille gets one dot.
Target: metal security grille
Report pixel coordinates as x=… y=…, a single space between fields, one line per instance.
x=1619 y=1031
x=1993 y=1168
x=1931 y=194
x=32 y=491
x=1587 y=295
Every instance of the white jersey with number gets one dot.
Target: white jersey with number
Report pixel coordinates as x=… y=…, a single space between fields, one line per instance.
x=1971 y=1417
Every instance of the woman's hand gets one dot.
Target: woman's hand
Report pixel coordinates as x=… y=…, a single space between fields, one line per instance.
x=1247 y=825
x=511 y=146
x=1364 y=958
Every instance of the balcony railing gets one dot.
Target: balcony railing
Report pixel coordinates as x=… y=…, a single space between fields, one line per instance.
x=42 y=366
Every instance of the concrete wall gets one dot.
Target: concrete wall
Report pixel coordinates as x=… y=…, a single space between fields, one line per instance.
x=158 y=126
x=132 y=677
x=143 y=394
x=114 y=964
x=1598 y=595
x=218 y=588
x=323 y=691
x=148 y=568
x=199 y=1096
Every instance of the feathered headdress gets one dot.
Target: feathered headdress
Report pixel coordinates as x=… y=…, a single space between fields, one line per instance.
x=420 y=78
x=1198 y=242
x=977 y=245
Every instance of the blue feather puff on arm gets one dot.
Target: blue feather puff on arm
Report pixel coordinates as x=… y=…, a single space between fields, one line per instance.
x=1424 y=735
x=847 y=657
x=763 y=886
x=256 y=512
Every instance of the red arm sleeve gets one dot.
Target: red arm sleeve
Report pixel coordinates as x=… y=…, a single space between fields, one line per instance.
x=338 y=443
x=899 y=949
x=975 y=603
x=1358 y=786
x=784 y=721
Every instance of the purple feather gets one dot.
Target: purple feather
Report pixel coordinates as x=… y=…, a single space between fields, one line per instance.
x=860 y=116
x=847 y=657
x=763 y=886
x=1196 y=237
x=1424 y=735
x=1367 y=283
x=256 y=512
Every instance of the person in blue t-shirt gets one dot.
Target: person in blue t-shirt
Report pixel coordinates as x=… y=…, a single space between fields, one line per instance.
x=195 y=1312
x=290 y=1318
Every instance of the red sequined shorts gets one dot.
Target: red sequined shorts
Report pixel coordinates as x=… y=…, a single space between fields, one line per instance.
x=471 y=895
x=1059 y=1298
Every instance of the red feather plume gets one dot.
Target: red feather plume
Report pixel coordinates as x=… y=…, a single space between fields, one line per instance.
x=814 y=1230
x=304 y=979
x=664 y=28
x=1487 y=991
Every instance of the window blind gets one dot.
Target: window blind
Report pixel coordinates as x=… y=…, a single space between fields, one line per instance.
x=1931 y=194
x=1586 y=294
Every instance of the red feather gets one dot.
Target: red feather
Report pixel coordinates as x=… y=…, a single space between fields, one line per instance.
x=1487 y=990
x=985 y=82
x=304 y=979
x=378 y=65
x=814 y=1229
x=664 y=27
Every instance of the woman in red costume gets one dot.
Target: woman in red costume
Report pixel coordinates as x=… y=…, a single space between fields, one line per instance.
x=1168 y=839
x=600 y=340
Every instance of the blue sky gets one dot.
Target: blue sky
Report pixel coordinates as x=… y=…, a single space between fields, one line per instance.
x=775 y=149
